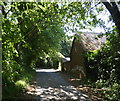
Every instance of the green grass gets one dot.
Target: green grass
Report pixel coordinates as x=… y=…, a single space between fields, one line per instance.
x=15 y=90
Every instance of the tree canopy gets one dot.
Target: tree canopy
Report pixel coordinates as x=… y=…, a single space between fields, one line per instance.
x=34 y=30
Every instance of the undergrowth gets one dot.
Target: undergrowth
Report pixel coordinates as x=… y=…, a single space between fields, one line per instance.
x=15 y=90
x=103 y=69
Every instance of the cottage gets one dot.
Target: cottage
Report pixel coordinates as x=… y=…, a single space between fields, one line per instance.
x=82 y=42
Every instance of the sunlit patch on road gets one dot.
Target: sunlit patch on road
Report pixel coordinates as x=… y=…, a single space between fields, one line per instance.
x=47 y=70
x=50 y=85
x=63 y=92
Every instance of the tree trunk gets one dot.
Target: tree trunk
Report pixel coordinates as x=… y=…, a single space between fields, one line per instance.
x=115 y=13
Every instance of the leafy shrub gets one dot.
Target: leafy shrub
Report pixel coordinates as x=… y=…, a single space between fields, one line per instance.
x=104 y=64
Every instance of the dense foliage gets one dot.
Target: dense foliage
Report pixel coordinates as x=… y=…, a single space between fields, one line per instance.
x=104 y=64
x=30 y=31
x=66 y=46
x=33 y=32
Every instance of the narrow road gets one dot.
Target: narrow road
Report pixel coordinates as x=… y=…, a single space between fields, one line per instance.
x=50 y=85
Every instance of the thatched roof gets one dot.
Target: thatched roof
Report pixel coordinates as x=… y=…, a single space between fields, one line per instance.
x=89 y=41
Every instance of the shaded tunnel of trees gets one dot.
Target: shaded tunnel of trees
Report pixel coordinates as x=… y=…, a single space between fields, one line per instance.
x=34 y=34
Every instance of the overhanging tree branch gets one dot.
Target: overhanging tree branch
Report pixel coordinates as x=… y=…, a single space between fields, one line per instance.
x=115 y=13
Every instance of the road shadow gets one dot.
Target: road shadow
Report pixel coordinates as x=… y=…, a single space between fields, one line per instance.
x=50 y=86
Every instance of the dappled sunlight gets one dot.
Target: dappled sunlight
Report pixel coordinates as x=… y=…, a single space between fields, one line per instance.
x=50 y=85
x=60 y=93
x=55 y=93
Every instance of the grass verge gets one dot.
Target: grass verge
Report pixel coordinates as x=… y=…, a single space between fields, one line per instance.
x=16 y=90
